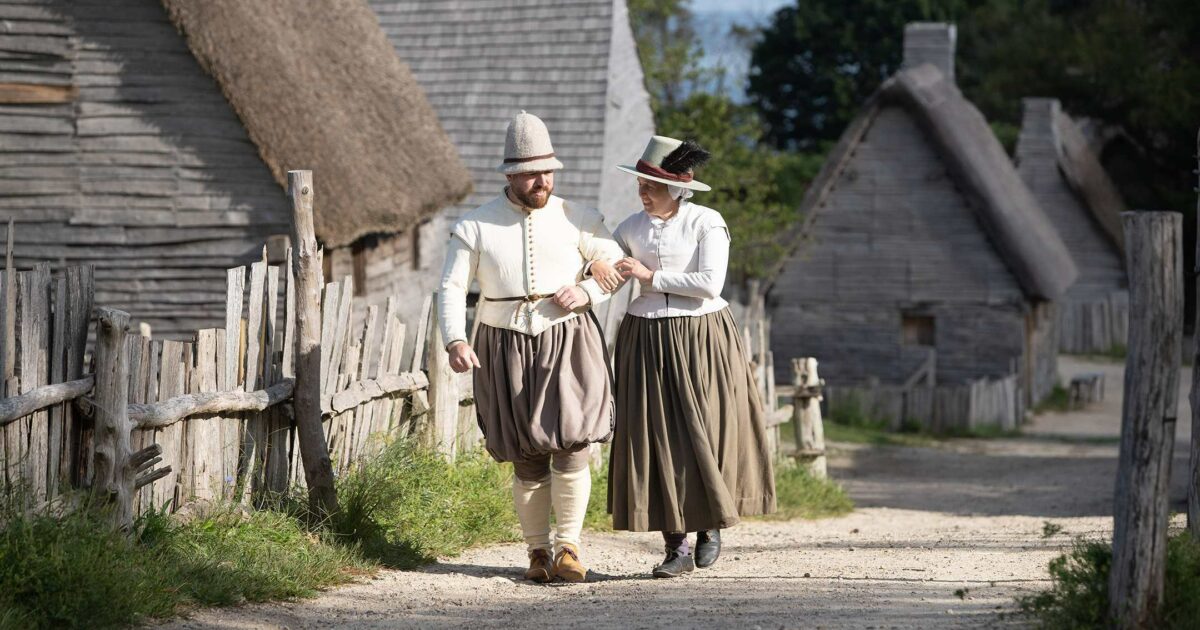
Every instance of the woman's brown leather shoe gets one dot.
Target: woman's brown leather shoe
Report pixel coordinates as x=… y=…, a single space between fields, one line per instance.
x=539 y=566
x=567 y=566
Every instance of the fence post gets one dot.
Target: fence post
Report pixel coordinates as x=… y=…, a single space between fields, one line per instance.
x=1154 y=260
x=306 y=399
x=1193 y=511
x=443 y=389
x=806 y=416
x=113 y=481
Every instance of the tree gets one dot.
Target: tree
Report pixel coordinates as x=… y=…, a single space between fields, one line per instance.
x=755 y=187
x=818 y=60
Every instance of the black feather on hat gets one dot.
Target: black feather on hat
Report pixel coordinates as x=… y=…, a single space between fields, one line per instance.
x=686 y=157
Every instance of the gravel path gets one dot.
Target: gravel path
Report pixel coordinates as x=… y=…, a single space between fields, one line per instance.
x=942 y=537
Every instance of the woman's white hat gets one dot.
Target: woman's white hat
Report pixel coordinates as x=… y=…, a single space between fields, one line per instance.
x=674 y=154
x=527 y=147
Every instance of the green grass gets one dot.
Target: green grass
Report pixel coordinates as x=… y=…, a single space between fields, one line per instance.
x=1058 y=400
x=1079 y=595
x=408 y=506
x=404 y=508
x=800 y=495
x=74 y=571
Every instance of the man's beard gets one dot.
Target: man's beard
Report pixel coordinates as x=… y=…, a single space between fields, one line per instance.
x=531 y=199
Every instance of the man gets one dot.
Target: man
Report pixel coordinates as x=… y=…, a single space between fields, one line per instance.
x=543 y=391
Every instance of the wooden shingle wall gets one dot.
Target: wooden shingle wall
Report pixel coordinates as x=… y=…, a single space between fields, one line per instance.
x=481 y=62
x=894 y=237
x=147 y=174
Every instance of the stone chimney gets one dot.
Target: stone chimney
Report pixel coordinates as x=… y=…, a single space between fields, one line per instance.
x=930 y=42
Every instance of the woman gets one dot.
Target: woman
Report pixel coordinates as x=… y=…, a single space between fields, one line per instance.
x=689 y=451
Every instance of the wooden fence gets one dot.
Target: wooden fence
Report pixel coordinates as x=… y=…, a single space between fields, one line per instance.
x=1093 y=326
x=939 y=408
x=205 y=411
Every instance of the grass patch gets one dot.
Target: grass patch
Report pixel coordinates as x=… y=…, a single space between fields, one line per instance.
x=1058 y=400
x=409 y=506
x=800 y=495
x=74 y=571
x=1079 y=595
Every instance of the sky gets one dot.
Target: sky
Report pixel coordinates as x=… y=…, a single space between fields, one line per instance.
x=712 y=21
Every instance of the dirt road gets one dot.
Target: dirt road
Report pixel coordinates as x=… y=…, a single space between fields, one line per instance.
x=942 y=537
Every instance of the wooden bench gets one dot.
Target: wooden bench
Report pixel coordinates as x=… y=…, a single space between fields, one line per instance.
x=1085 y=389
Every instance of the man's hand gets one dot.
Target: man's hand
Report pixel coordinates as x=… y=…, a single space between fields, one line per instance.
x=462 y=357
x=606 y=275
x=631 y=267
x=571 y=297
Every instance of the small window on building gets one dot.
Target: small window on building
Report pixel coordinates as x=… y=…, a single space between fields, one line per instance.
x=917 y=330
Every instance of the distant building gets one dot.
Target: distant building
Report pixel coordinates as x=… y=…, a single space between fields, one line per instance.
x=1071 y=186
x=922 y=258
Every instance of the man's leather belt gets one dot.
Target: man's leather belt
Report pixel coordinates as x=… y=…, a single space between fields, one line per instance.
x=533 y=297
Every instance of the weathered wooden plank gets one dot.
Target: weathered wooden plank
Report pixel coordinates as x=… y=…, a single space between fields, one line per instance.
x=171 y=383
x=112 y=475
x=34 y=320
x=289 y=327
x=443 y=395
x=1154 y=260
x=254 y=436
x=341 y=333
x=57 y=374
x=318 y=470
x=255 y=325
x=421 y=340
x=230 y=426
x=271 y=337
x=170 y=411
x=204 y=432
x=329 y=312
x=76 y=456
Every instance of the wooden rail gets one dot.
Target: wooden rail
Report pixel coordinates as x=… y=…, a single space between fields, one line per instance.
x=17 y=407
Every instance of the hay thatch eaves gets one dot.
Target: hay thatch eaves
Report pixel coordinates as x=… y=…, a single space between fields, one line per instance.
x=318 y=86
x=1087 y=177
x=1014 y=221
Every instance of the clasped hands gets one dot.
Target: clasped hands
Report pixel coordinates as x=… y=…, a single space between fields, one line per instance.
x=610 y=277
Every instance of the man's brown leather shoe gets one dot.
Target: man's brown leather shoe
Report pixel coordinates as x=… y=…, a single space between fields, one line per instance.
x=567 y=566
x=540 y=569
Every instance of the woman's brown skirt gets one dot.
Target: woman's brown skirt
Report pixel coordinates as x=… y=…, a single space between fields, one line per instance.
x=690 y=449
x=543 y=394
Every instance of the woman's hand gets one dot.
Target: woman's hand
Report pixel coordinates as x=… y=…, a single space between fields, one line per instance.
x=571 y=297
x=462 y=357
x=606 y=276
x=630 y=267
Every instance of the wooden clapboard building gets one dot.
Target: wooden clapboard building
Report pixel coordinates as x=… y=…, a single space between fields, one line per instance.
x=151 y=140
x=574 y=64
x=1058 y=166
x=924 y=274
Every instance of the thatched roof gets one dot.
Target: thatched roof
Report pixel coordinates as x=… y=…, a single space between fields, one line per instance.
x=318 y=86
x=1083 y=171
x=1025 y=238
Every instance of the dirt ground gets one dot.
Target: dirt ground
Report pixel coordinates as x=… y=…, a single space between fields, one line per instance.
x=945 y=536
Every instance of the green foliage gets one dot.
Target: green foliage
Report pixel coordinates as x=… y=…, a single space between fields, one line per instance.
x=75 y=572
x=1079 y=595
x=755 y=188
x=597 y=517
x=408 y=506
x=667 y=48
x=1058 y=400
x=818 y=60
x=800 y=495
